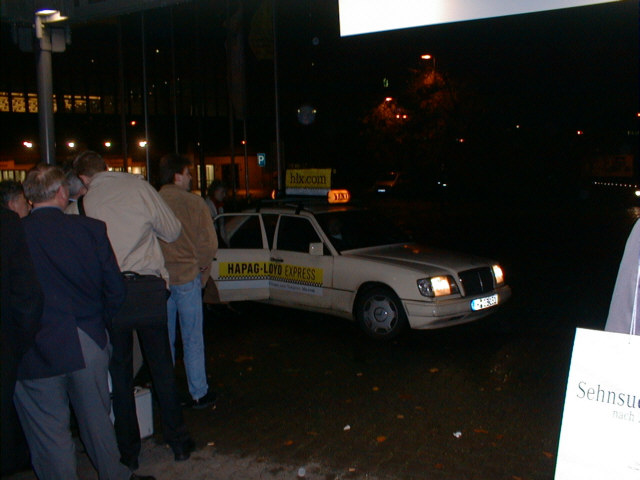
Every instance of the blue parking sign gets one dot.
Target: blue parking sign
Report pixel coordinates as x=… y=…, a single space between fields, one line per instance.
x=262 y=159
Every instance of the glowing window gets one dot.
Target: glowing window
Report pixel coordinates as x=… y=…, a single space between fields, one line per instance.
x=4 y=102
x=18 y=104
x=32 y=100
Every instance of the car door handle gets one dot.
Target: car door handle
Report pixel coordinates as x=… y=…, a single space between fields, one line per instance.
x=279 y=260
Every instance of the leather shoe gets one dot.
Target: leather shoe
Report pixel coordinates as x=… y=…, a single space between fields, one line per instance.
x=141 y=477
x=182 y=451
x=207 y=400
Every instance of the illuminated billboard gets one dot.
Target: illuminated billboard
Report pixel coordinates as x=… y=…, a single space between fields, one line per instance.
x=367 y=16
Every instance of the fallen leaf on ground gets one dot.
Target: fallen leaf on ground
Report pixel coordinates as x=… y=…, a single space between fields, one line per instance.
x=434 y=370
x=381 y=438
x=480 y=430
x=400 y=417
x=243 y=358
x=288 y=443
x=375 y=389
x=548 y=454
x=439 y=466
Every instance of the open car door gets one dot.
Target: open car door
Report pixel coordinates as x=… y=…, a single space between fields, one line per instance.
x=241 y=267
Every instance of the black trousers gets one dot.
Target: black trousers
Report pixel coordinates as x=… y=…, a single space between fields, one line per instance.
x=154 y=343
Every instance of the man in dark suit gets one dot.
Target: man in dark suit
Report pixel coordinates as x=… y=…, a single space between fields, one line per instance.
x=83 y=288
x=21 y=310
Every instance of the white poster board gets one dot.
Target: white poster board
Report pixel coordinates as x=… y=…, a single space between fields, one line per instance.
x=600 y=433
x=366 y=16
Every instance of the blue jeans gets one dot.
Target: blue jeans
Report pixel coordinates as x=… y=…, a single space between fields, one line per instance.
x=185 y=302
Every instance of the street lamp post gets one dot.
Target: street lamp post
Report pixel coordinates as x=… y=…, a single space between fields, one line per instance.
x=46 y=43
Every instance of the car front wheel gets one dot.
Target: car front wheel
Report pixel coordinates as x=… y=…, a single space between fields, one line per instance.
x=380 y=314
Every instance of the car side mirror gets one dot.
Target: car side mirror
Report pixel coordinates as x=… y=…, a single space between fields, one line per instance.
x=316 y=249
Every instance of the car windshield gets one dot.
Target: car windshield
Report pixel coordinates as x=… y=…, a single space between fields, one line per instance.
x=351 y=229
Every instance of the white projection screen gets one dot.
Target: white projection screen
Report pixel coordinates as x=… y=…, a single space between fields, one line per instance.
x=367 y=16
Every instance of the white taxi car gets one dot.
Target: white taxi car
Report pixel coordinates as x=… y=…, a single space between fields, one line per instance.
x=345 y=261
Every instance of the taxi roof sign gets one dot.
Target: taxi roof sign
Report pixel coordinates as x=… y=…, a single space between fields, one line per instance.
x=338 y=196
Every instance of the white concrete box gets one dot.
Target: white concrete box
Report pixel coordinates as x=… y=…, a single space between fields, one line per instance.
x=144 y=410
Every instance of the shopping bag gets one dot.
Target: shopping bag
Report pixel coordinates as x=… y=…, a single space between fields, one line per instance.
x=600 y=431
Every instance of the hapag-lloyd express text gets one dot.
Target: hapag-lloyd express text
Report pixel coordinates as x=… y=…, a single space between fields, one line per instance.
x=270 y=270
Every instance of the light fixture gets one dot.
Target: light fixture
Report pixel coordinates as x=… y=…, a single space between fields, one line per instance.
x=107 y=144
x=71 y=144
x=142 y=143
x=27 y=144
x=44 y=17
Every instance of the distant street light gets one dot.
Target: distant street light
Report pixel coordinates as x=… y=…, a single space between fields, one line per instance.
x=427 y=56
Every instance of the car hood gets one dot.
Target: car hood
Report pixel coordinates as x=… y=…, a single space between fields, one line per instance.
x=419 y=257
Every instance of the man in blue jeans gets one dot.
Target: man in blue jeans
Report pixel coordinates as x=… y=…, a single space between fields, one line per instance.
x=188 y=261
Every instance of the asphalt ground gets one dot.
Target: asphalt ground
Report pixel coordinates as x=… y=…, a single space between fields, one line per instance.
x=477 y=401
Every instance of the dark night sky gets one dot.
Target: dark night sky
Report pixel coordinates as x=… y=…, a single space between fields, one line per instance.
x=569 y=69
x=558 y=71
x=580 y=62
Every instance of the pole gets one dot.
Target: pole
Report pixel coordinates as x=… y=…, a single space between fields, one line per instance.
x=246 y=156
x=277 y=112
x=45 y=95
x=174 y=94
x=200 y=110
x=144 y=97
x=122 y=91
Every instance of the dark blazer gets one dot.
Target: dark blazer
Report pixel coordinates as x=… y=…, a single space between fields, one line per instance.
x=21 y=293
x=82 y=286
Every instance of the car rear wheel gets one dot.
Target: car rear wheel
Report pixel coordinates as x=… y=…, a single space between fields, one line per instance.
x=380 y=314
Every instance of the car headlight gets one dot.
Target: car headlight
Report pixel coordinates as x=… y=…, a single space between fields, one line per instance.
x=437 y=286
x=498 y=274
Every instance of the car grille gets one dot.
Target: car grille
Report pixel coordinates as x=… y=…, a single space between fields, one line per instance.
x=476 y=281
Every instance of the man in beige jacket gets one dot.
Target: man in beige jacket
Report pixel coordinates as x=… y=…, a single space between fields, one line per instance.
x=136 y=218
x=188 y=260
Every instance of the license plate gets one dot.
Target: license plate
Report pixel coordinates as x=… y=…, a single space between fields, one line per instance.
x=486 y=302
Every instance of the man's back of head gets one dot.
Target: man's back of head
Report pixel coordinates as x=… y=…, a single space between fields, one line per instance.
x=170 y=165
x=43 y=183
x=88 y=163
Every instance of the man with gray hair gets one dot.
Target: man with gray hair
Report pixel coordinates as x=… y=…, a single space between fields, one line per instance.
x=83 y=288
x=76 y=187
